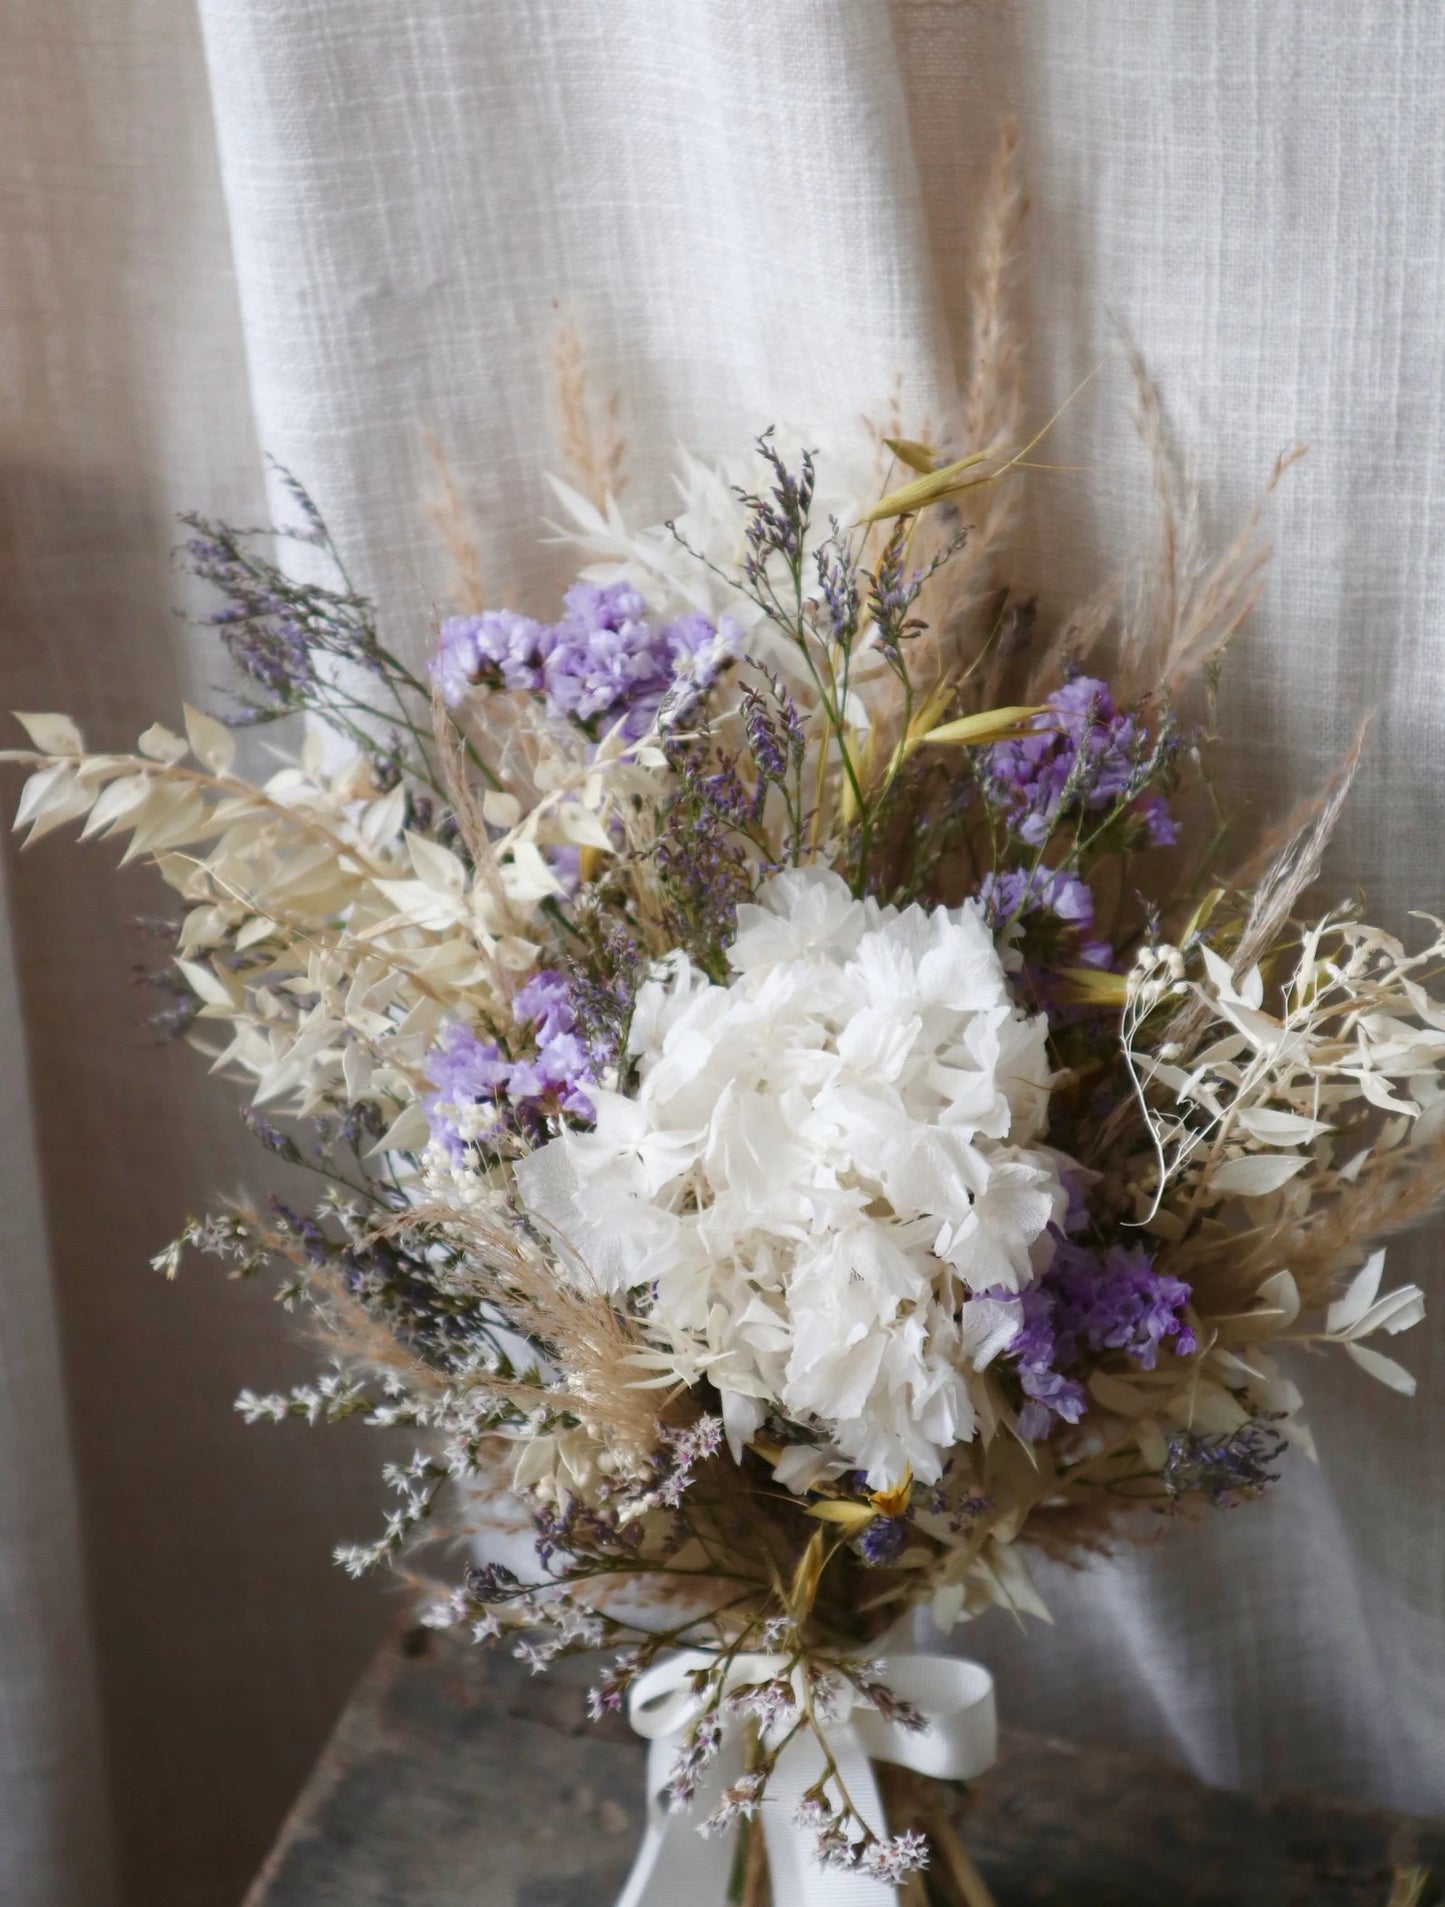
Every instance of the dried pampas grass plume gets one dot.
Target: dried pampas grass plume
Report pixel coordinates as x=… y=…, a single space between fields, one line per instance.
x=1293 y=863
x=450 y=515
x=1187 y=604
x=592 y=1343
x=991 y=405
x=589 y=435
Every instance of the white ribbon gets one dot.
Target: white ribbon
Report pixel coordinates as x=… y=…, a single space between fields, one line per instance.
x=678 y=1867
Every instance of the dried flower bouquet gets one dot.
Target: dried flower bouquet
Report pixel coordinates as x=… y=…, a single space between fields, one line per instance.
x=761 y=1128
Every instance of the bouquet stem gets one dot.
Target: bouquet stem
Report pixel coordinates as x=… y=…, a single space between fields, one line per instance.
x=952 y=1878
x=753 y=1860
x=957 y=1862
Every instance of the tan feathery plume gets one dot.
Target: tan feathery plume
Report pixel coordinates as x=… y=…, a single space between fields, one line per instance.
x=1188 y=604
x=588 y=433
x=449 y=514
x=991 y=403
x=592 y=1343
x=1296 y=865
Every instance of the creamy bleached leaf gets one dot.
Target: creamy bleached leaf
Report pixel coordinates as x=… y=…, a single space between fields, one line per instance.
x=526 y=876
x=1358 y=1296
x=406 y=1133
x=116 y=803
x=436 y=867
x=1280 y=1294
x=52 y=734
x=1256 y=1175
x=51 y=799
x=1280 y=1128
x=1361 y=1311
x=580 y=826
x=1385 y=1369
x=500 y=809
x=46 y=788
x=212 y=743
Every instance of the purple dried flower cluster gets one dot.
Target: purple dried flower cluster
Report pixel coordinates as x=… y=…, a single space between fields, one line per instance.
x=889 y=1861
x=883 y=1540
x=604 y=662
x=1094 y=1302
x=466 y=1072
x=772 y=1704
x=607 y=1695
x=737 y=1804
x=773 y=727
x=871 y=1681
x=257 y=621
x=275 y=627
x=1018 y=892
x=699 y=1746
x=701 y=859
x=1227 y=1470
x=683 y=1451
x=1084 y=755
x=575 y=1526
x=778 y=520
x=479 y=1091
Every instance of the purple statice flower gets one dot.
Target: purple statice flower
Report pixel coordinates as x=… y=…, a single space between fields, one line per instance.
x=1088 y=1301
x=609 y=662
x=604 y=661
x=457 y=662
x=1034 y=1344
x=545 y=1002
x=465 y=1071
x=1227 y=1470
x=499 y=648
x=1050 y=1396
x=468 y=1072
x=565 y=1064
x=883 y=1540
x=1163 y=829
x=1084 y=754
x=1123 y=1304
x=1011 y=893
x=556 y=1077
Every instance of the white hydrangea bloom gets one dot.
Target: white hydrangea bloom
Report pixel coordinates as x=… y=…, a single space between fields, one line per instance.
x=822 y=1162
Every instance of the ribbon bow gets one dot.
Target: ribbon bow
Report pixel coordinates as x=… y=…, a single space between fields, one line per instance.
x=678 y=1867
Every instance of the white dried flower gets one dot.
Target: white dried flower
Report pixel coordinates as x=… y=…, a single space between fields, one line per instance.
x=824 y=1165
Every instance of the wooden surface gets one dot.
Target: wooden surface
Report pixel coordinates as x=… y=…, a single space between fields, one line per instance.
x=454 y=1781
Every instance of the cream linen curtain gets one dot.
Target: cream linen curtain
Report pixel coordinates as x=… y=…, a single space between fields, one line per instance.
x=323 y=228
